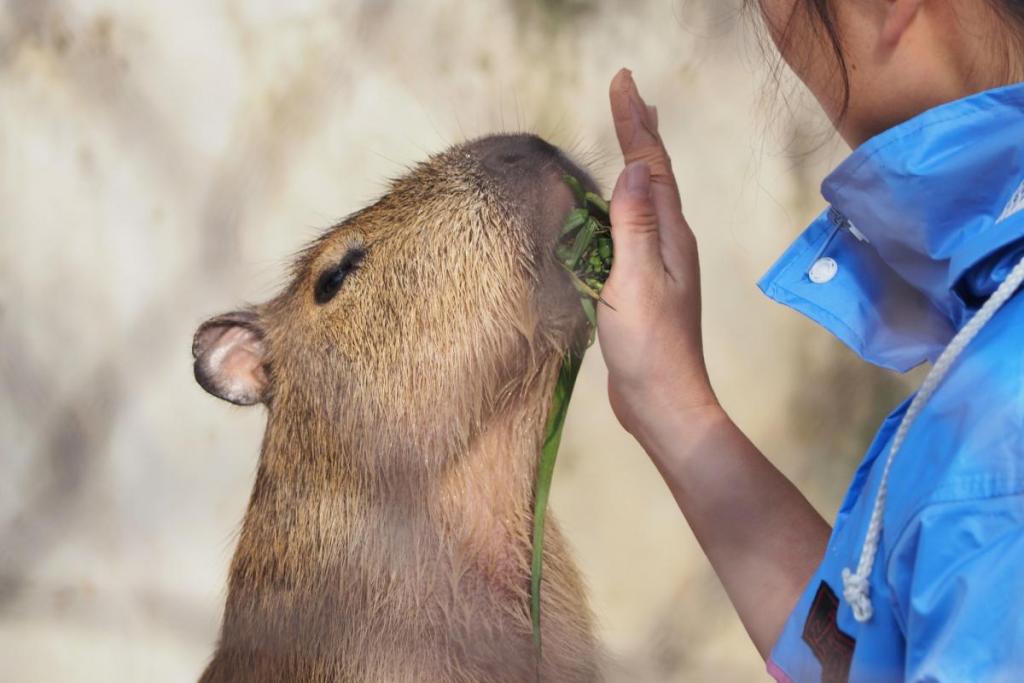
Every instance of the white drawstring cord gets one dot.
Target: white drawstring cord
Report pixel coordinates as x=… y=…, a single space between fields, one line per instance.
x=855 y=584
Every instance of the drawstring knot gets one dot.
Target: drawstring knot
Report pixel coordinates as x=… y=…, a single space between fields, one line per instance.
x=855 y=592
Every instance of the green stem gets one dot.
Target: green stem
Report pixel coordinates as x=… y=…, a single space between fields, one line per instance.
x=546 y=468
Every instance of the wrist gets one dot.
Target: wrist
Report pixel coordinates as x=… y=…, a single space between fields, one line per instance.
x=666 y=416
x=677 y=433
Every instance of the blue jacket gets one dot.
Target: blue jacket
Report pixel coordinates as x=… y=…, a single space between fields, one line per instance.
x=925 y=222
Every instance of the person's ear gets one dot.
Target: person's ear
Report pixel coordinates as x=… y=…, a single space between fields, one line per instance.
x=900 y=15
x=231 y=358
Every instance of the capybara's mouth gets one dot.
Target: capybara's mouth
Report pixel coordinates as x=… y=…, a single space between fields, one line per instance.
x=573 y=169
x=570 y=219
x=574 y=191
x=584 y=245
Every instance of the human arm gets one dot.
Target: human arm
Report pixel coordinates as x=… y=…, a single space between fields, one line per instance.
x=762 y=537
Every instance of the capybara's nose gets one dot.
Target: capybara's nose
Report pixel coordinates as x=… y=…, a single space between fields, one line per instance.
x=503 y=154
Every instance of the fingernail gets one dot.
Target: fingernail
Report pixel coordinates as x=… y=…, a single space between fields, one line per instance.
x=638 y=179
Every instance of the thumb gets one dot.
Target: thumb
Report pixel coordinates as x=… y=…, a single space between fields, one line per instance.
x=635 y=223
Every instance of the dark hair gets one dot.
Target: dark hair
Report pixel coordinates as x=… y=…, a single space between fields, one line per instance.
x=1010 y=10
x=823 y=10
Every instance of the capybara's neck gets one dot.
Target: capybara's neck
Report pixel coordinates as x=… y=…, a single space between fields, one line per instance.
x=401 y=510
x=400 y=505
x=412 y=571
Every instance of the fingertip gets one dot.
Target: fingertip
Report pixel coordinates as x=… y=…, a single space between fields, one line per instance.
x=632 y=90
x=621 y=80
x=618 y=95
x=623 y=86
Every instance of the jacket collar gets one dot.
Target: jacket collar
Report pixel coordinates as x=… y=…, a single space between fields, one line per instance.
x=925 y=221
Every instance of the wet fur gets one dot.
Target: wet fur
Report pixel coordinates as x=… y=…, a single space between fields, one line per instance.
x=388 y=533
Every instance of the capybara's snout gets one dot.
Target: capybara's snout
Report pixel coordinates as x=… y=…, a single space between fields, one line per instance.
x=531 y=171
x=505 y=155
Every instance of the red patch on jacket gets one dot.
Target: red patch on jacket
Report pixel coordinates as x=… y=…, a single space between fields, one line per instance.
x=832 y=648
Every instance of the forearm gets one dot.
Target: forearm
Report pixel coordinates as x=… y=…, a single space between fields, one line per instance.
x=762 y=536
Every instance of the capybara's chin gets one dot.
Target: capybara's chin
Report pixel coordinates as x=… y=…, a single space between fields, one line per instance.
x=407 y=370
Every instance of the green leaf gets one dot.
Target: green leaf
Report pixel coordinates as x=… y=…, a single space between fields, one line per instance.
x=588 y=310
x=577 y=190
x=545 y=470
x=597 y=202
x=584 y=249
x=576 y=219
x=582 y=287
x=583 y=238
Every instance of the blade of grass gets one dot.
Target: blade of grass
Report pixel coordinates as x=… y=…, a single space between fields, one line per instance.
x=577 y=190
x=583 y=238
x=584 y=249
x=575 y=221
x=598 y=203
x=586 y=290
x=548 y=455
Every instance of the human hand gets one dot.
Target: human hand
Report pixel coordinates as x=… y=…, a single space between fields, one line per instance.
x=651 y=334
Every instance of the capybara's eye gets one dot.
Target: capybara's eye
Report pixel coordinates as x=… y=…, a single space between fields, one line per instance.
x=330 y=281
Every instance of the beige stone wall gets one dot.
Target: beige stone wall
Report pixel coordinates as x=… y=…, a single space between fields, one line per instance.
x=159 y=162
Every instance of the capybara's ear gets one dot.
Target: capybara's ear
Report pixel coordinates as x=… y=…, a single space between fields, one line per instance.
x=230 y=358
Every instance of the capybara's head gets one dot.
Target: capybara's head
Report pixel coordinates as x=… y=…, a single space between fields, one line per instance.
x=421 y=315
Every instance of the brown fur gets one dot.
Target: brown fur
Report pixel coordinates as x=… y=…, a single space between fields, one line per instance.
x=388 y=534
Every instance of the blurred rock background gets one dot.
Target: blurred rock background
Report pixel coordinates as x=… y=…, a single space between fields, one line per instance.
x=159 y=162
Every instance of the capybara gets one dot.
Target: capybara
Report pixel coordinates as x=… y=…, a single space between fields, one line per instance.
x=407 y=371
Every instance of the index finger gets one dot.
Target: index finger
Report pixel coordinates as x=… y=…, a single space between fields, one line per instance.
x=637 y=131
x=636 y=126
